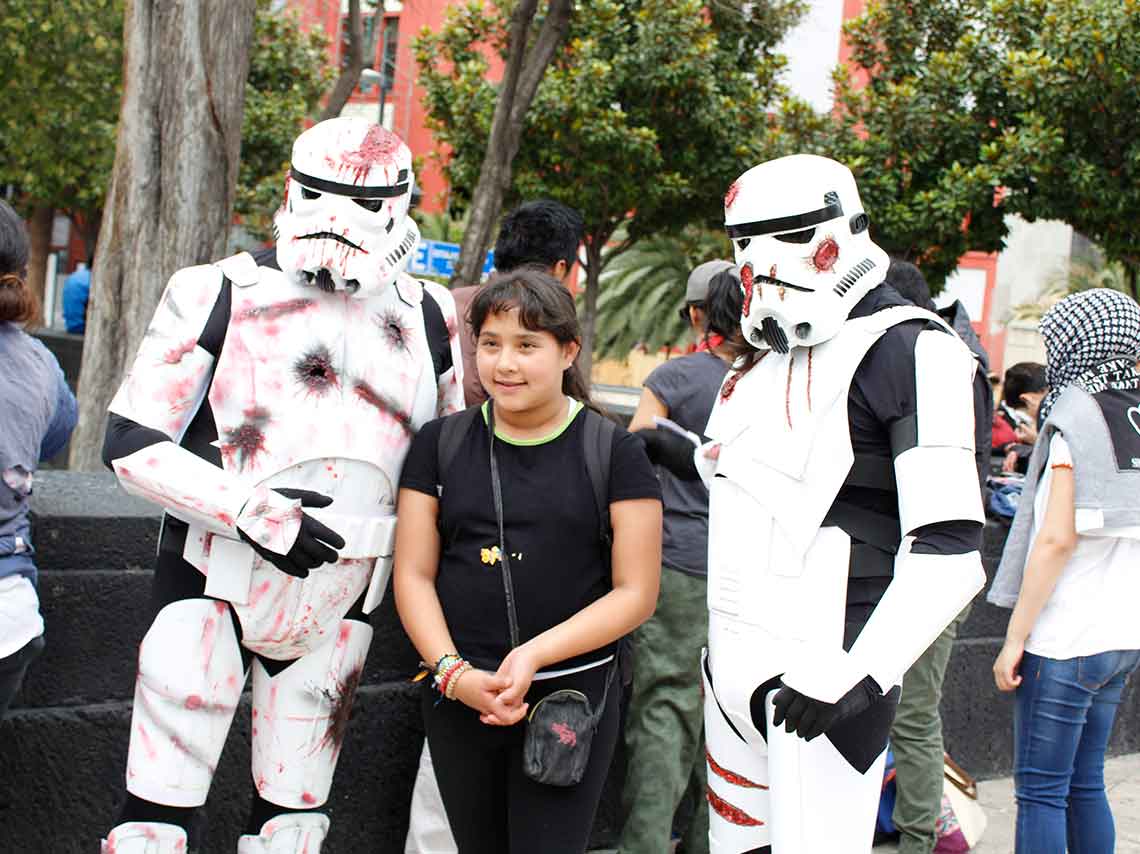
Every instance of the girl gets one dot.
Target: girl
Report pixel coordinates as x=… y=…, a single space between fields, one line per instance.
x=1073 y=637
x=571 y=607
x=37 y=415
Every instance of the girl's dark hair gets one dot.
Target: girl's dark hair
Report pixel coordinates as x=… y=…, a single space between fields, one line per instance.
x=723 y=307
x=17 y=302
x=544 y=305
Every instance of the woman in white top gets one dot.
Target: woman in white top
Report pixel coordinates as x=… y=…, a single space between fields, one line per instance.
x=1071 y=571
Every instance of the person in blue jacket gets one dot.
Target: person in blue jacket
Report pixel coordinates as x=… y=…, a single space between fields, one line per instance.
x=37 y=415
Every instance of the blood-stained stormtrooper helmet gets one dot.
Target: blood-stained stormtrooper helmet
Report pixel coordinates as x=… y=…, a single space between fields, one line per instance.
x=344 y=224
x=805 y=255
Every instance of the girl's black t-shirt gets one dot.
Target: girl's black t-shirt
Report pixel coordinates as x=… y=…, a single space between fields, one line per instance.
x=551 y=527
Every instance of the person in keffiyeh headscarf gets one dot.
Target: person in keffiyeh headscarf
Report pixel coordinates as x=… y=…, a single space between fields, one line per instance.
x=1071 y=572
x=1083 y=332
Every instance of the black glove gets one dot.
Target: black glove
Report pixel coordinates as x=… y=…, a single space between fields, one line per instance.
x=308 y=551
x=666 y=448
x=809 y=718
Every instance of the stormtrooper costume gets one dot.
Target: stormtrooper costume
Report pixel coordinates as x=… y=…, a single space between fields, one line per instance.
x=268 y=411
x=844 y=516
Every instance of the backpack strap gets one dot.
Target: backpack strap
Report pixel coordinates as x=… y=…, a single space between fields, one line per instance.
x=439 y=341
x=597 y=447
x=451 y=434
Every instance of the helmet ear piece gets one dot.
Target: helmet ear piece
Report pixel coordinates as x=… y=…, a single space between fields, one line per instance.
x=860 y=222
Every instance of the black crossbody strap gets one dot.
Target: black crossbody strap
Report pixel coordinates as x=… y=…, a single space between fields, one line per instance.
x=451 y=434
x=598 y=443
x=504 y=558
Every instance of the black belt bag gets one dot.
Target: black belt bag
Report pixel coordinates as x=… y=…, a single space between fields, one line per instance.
x=560 y=728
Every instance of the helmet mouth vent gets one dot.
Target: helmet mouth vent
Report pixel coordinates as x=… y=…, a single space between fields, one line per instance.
x=774 y=335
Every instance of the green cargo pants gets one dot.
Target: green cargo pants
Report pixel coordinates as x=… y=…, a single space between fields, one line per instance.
x=664 y=731
x=916 y=739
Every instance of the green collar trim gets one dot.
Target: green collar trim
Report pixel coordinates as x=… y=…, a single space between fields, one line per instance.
x=575 y=408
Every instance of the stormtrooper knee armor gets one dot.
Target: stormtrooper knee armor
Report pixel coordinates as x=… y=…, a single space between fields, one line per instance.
x=832 y=566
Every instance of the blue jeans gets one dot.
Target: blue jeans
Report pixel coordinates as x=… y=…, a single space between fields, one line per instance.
x=1062 y=719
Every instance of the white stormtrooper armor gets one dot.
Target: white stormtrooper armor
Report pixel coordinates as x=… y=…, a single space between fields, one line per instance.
x=252 y=379
x=821 y=581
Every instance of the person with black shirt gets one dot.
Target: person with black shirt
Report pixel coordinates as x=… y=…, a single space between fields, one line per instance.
x=572 y=604
x=664 y=734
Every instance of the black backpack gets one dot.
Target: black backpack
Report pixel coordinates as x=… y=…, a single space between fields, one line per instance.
x=597 y=446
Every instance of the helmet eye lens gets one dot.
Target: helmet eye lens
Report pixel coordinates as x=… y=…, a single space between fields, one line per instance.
x=370 y=204
x=306 y=193
x=804 y=236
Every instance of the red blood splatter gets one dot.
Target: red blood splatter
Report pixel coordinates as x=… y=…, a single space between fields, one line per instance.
x=730 y=196
x=730 y=813
x=788 y=391
x=274 y=311
x=746 y=282
x=308 y=798
x=175 y=354
x=373 y=398
x=194 y=702
x=731 y=776
x=148 y=745
x=565 y=734
x=825 y=255
x=378 y=148
x=452 y=329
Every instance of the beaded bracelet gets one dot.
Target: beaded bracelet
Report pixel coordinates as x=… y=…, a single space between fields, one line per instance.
x=441 y=686
x=453 y=680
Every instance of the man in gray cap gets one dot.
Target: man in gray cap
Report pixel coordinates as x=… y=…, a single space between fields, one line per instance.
x=664 y=734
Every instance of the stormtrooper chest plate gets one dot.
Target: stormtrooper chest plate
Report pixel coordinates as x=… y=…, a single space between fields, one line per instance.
x=785 y=452
x=305 y=375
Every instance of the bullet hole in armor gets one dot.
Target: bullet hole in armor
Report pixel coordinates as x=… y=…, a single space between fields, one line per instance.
x=373 y=205
x=306 y=193
x=340 y=712
x=395 y=333
x=314 y=370
x=242 y=444
x=324 y=281
x=803 y=236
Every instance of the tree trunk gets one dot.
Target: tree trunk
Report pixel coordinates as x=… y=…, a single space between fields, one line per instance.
x=521 y=76
x=353 y=64
x=171 y=196
x=39 y=240
x=594 y=245
x=1130 y=277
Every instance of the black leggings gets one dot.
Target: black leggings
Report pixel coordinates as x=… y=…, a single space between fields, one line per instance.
x=492 y=807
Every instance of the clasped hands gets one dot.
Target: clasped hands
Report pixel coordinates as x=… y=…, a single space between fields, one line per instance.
x=498 y=697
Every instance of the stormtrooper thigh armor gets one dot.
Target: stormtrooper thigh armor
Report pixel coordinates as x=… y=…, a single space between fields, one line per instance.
x=182 y=715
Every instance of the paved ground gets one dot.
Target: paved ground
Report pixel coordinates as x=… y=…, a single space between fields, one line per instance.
x=1122 y=776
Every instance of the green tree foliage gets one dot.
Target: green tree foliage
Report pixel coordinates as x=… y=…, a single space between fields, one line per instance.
x=1070 y=77
x=59 y=100
x=643 y=290
x=919 y=118
x=288 y=73
x=649 y=111
x=956 y=113
x=61 y=82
